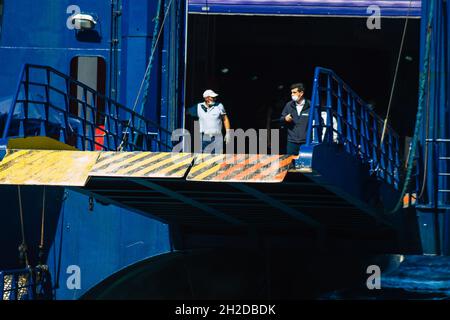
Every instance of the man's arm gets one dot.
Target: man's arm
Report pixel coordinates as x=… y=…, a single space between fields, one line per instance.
x=223 y=113
x=226 y=122
x=284 y=115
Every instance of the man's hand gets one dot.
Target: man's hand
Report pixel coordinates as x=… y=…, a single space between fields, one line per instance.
x=288 y=118
x=227 y=137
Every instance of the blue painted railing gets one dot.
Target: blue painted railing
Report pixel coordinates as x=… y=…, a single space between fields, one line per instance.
x=25 y=284
x=50 y=103
x=339 y=115
x=433 y=176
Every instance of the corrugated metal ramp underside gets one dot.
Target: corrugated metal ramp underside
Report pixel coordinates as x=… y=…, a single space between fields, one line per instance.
x=176 y=188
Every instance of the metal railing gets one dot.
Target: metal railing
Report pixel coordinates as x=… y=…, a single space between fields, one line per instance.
x=50 y=103
x=25 y=284
x=339 y=115
x=433 y=180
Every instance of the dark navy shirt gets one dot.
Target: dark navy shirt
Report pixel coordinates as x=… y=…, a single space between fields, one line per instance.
x=297 y=129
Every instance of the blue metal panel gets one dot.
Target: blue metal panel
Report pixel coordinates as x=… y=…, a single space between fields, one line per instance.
x=390 y=8
x=172 y=68
x=350 y=178
x=427 y=224
x=100 y=242
x=137 y=33
x=45 y=38
x=432 y=122
x=1 y=17
x=165 y=96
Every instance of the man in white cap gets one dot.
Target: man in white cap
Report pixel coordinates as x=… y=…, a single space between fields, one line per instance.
x=211 y=116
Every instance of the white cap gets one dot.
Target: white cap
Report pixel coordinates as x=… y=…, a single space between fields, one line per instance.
x=209 y=93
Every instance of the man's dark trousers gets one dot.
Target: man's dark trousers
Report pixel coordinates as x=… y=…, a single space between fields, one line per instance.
x=293 y=148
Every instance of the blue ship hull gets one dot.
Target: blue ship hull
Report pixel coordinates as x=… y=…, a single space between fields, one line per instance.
x=101 y=249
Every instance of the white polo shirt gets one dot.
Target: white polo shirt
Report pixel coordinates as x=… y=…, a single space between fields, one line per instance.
x=299 y=106
x=210 y=121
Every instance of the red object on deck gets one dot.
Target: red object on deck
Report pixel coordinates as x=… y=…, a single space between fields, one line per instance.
x=99 y=137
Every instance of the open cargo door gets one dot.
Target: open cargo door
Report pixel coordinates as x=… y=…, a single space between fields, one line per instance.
x=353 y=8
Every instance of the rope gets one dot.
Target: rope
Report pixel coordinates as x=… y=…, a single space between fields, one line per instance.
x=41 y=244
x=207 y=43
x=425 y=165
x=419 y=111
x=147 y=71
x=395 y=74
x=155 y=38
x=23 y=246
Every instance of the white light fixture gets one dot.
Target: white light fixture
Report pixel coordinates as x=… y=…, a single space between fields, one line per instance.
x=84 y=21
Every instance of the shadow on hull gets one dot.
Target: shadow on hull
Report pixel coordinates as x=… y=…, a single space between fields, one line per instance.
x=10 y=228
x=239 y=274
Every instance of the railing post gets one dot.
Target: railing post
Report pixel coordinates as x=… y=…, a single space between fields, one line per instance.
x=92 y=119
x=390 y=169
x=64 y=134
x=375 y=158
x=27 y=97
x=44 y=124
x=329 y=123
x=367 y=135
x=382 y=171
x=350 y=143
x=144 y=136
x=313 y=111
x=31 y=287
x=396 y=161
x=14 y=285
x=339 y=112
x=115 y=128
x=362 y=134
x=354 y=124
x=132 y=136
x=12 y=108
x=85 y=122
x=433 y=171
x=107 y=126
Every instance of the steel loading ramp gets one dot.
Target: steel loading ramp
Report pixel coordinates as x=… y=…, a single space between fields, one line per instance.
x=293 y=203
x=177 y=188
x=75 y=168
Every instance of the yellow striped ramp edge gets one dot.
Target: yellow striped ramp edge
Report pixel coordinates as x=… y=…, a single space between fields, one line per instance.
x=142 y=164
x=240 y=168
x=47 y=167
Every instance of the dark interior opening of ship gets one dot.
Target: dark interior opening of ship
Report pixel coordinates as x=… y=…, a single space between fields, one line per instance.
x=252 y=60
